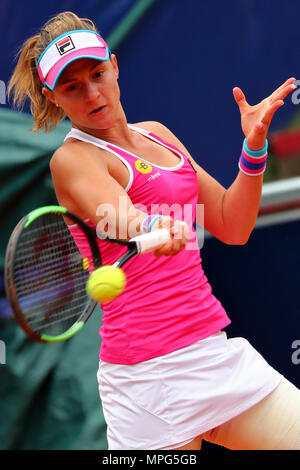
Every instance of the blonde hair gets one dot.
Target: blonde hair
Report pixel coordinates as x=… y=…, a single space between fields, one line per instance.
x=25 y=82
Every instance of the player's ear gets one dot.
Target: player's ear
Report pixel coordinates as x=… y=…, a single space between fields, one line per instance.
x=114 y=62
x=49 y=94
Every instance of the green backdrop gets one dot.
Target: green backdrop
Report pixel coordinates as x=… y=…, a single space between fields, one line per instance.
x=48 y=393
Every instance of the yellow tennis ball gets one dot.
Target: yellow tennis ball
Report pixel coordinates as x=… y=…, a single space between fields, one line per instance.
x=106 y=283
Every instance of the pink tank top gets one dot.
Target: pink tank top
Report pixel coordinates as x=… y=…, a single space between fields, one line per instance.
x=168 y=303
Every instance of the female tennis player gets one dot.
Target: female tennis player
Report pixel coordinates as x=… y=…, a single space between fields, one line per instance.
x=168 y=374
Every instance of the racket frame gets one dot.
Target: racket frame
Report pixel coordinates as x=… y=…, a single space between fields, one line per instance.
x=134 y=247
x=9 y=279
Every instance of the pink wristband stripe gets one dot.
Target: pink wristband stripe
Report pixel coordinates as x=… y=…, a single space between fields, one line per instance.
x=249 y=172
x=254 y=159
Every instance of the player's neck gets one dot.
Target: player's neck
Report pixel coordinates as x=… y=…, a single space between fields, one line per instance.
x=118 y=133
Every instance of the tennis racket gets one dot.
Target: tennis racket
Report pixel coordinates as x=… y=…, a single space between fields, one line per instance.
x=45 y=274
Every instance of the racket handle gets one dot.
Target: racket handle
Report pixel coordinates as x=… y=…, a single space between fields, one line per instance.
x=152 y=240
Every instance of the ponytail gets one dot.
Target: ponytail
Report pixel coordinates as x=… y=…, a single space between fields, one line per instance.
x=25 y=82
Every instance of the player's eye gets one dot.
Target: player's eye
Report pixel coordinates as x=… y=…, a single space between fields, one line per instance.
x=98 y=74
x=71 y=88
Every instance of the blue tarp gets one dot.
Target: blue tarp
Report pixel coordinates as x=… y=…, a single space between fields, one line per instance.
x=177 y=66
x=182 y=60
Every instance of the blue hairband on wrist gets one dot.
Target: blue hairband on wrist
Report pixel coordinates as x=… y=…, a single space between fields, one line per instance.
x=153 y=221
x=253 y=162
x=255 y=153
x=148 y=222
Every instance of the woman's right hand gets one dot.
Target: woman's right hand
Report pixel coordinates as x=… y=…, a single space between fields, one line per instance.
x=180 y=235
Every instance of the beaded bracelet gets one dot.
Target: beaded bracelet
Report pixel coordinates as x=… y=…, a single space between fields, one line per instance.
x=148 y=222
x=253 y=162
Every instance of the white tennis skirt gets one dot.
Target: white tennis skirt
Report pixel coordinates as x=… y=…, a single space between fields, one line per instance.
x=167 y=401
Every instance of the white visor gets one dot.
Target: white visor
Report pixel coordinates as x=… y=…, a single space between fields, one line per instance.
x=65 y=49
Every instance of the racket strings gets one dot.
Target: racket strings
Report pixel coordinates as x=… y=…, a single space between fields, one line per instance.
x=49 y=276
x=74 y=311
x=61 y=270
x=50 y=284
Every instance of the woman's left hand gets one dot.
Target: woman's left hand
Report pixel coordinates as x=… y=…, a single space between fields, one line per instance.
x=256 y=120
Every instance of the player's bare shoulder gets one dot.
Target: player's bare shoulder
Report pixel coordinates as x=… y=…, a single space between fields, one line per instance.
x=73 y=155
x=154 y=126
x=163 y=132
x=71 y=148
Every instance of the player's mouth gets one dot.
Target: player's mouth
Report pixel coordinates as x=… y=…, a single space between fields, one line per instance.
x=97 y=111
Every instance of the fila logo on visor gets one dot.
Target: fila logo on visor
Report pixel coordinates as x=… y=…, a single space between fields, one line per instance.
x=65 y=45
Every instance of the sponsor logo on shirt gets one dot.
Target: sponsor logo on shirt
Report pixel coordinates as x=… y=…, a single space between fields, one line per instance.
x=155 y=175
x=143 y=167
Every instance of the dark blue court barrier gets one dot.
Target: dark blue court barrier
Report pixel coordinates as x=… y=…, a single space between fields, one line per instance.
x=181 y=61
x=258 y=285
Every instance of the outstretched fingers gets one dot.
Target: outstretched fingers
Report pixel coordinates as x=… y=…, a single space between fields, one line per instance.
x=282 y=92
x=240 y=98
x=269 y=113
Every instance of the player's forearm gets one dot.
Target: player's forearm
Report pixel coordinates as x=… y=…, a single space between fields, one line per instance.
x=121 y=220
x=240 y=207
x=125 y=221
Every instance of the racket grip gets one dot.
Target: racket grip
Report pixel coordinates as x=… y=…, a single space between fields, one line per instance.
x=152 y=240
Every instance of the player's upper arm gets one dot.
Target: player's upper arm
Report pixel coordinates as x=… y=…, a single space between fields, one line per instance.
x=82 y=177
x=210 y=193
